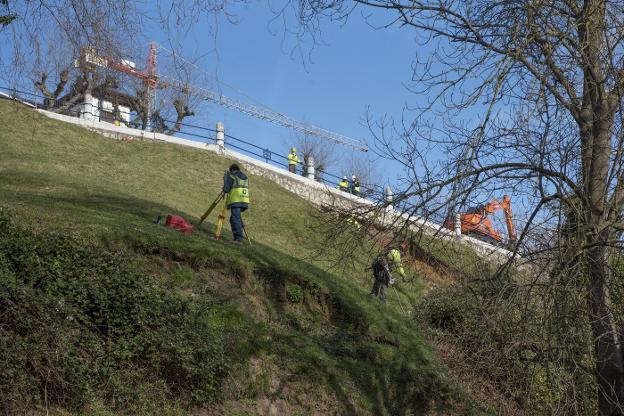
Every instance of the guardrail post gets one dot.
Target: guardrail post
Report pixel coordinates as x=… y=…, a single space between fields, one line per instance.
x=310 y=167
x=389 y=196
x=458 y=224
x=220 y=139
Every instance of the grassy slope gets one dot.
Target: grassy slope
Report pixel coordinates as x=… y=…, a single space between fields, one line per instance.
x=324 y=353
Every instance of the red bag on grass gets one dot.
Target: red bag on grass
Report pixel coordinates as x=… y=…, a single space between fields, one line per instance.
x=178 y=223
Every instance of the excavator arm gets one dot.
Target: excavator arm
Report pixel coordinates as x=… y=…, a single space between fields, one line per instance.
x=476 y=220
x=494 y=206
x=511 y=228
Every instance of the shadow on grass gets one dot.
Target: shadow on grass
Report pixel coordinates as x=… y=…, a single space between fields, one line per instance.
x=358 y=348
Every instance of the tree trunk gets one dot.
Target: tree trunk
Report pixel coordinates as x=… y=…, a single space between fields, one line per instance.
x=609 y=363
x=596 y=124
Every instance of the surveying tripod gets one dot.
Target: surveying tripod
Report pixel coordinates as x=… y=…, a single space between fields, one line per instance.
x=221 y=218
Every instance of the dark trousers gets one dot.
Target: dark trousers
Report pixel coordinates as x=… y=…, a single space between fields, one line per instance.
x=380 y=288
x=236 y=222
x=292 y=168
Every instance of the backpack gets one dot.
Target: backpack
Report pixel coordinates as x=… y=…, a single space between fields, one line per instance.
x=380 y=270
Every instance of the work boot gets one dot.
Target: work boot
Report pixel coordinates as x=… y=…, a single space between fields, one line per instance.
x=237 y=242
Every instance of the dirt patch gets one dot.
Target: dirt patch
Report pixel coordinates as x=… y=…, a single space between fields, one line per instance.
x=264 y=388
x=443 y=271
x=430 y=273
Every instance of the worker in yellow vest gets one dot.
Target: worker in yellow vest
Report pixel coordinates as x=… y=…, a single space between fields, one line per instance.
x=343 y=185
x=383 y=267
x=293 y=160
x=236 y=188
x=355 y=185
x=351 y=220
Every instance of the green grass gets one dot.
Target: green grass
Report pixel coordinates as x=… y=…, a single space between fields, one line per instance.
x=319 y=344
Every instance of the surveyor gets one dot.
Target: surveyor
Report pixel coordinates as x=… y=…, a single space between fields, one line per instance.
x=383 y=267
x=236 y=188
x=355 y=185
x=293 y=160
x=343 y=185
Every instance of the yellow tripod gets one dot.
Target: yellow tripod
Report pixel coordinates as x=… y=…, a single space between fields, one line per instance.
x=212 y=206
x=221 y=218
x=246 y=234
x=220 y=221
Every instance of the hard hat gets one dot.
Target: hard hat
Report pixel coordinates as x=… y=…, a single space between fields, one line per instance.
x=353 y=177
x=344 y=178
x=292 y=149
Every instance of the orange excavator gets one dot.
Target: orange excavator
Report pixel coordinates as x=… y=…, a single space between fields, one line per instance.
x=475 y=222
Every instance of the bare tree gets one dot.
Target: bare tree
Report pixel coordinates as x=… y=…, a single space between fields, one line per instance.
x=323 y=152
x=48 y=36
x=365 y=170
x=60 y=87
x=47 y=41
x=177 y=100
x=159 y=120
x=546 y=82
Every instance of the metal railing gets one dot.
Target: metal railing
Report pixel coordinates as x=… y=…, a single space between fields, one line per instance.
x=132 y=119
x=277 y=159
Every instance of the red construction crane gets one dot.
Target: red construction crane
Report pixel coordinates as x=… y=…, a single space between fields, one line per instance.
x=149 y=76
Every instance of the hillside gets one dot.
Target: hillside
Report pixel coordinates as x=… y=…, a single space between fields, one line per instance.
x=104 y=312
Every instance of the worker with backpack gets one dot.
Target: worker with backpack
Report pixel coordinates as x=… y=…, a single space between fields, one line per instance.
x=383 y=267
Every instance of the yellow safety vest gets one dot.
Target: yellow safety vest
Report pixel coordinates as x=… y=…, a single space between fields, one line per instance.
x=239 y=191
x=394 y=261
x=343 y=185
x=293 y=159
x=353 y=221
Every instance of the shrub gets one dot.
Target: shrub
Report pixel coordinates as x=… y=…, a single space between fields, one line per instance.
x=294 y=293
x=499 y=326
x=74 y=318
x=445 y=308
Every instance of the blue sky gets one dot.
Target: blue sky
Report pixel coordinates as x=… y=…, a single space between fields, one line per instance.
x=331 y=85
x=354 y=68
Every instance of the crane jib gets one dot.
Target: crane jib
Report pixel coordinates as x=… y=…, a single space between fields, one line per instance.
x=267 y=114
